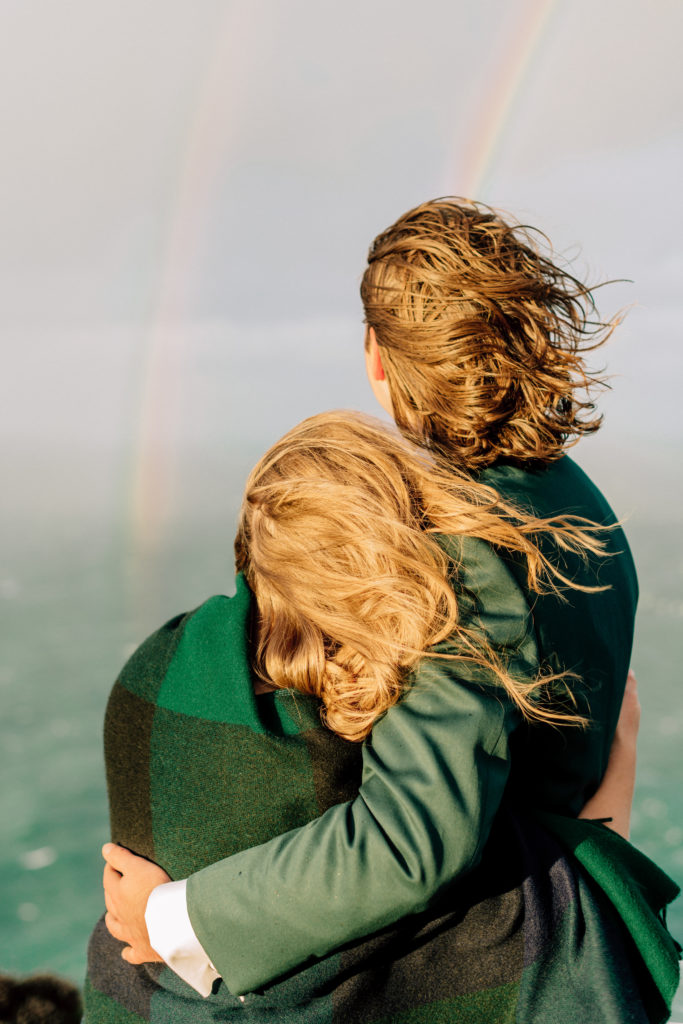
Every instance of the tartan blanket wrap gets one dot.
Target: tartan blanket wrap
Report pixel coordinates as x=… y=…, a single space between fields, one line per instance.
x=199 y=768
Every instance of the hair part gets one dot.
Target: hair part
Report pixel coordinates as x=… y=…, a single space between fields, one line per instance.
x=338 y=539
x=482 y=335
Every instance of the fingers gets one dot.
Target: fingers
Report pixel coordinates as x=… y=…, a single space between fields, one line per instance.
x=631 y=700
x=114 y=927
x=110 y=876
x=131 y=957
x=629 y=714
x=118 y=857
x=117 y=931
x=110 y=882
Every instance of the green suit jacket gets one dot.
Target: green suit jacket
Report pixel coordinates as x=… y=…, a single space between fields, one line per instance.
x=437 y=764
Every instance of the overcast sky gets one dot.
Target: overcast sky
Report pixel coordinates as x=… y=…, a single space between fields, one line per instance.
x=235 y=158
x=178 y=175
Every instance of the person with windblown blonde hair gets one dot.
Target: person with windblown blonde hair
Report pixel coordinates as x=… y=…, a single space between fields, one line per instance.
x=343 y=614
x=474 y=343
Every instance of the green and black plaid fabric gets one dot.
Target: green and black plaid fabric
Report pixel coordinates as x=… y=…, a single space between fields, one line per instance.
x=199 y=768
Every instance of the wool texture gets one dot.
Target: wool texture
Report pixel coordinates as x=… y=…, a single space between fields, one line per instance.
x=560 y=921
x=199 y=768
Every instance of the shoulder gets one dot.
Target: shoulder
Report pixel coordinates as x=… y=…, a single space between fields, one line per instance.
x=490 y=596
x=209 y=639
x=559 y=488
x=564 y=489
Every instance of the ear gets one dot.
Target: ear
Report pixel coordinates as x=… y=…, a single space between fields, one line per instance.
x=374 y=359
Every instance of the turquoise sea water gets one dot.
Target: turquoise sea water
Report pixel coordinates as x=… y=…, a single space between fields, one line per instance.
x=77 y=594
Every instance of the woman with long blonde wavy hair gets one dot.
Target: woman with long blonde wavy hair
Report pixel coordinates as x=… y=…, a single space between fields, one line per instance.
x=342 y=539
x=463 y=602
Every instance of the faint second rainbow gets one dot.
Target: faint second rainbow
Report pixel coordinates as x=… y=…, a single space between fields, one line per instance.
x=215 y=122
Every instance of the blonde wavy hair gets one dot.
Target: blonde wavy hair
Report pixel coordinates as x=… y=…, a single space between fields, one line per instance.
x=338 y=539
x=482 y=336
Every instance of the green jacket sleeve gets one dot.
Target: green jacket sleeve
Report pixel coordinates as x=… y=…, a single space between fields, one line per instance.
x=434 y=771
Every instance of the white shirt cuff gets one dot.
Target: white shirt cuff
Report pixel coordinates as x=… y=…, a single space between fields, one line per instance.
x=172 y=936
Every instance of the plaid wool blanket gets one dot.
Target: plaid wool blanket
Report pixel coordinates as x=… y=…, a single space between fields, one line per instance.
x=198 y=768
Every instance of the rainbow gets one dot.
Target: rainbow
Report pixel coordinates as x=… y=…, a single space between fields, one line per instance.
x=504 y=87
x=214 y=125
